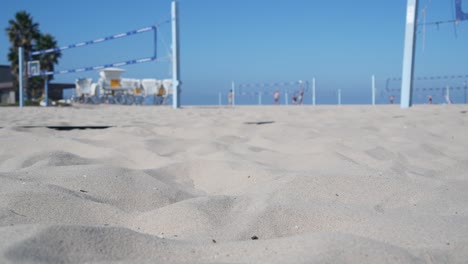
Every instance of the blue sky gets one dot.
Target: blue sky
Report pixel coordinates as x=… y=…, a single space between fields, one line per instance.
x=341 y=43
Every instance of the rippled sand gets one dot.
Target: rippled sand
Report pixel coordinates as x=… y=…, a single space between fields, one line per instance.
x=325 y=184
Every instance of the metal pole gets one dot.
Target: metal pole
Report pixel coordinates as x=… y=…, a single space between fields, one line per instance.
x=155 y=42
x=286 y=98
x=464 y=88
x=20 y=77
x=408 y=56
x=339 y=96
x=373 y=90
x=175 y=57
x=447 y=95
x=233 y=87
x=219 y=98
x=313 y=91
x=259 y=98
x=46 y=90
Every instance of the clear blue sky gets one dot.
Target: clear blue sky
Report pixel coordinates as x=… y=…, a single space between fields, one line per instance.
x=341 y=43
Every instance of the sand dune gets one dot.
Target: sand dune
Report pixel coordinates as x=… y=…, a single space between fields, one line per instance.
x=326 y=184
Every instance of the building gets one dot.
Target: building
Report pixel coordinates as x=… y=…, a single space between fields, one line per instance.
x=8 y=92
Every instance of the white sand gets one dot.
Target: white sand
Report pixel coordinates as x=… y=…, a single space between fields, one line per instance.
x=327 y=184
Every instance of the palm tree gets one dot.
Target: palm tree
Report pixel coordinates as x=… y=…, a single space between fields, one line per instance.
x=22 y=32
x=13 y=58
x=47 y=61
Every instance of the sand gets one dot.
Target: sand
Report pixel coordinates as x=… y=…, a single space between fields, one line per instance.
x=271 y=184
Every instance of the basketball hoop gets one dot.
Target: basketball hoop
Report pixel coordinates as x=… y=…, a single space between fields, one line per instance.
x=34 y=67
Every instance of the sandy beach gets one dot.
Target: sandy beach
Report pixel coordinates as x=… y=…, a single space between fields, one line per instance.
x=248 y=184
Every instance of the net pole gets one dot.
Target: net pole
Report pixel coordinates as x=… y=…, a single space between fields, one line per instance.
x=233 y=87
x=447 y=95
x=373 y=89
x=313 y=91
x=21 y=62
x=175 y=56
x=464 y=89
x=46 y=83
x=339 y=96
x=408 y=55
x=155 y=39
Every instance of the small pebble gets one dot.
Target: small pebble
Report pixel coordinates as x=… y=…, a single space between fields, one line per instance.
x=214 y=241
x=254 y=238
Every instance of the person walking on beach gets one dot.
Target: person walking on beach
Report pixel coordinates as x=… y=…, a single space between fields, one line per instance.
x=392 y=99
x=301 y=96
x=429 y=99
x=276 y=96
x=294 y=98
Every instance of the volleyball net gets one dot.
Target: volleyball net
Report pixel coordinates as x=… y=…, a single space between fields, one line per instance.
x=34 y=67
x=430 y=89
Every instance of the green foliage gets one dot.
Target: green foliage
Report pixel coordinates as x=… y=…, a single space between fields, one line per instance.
x=47 y=61
x=24 y=32
x=13 y=58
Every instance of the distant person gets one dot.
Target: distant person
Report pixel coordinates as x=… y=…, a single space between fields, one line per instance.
x=429 y=99
x=276 y=97
x=301 y=96
x=230 y=96
x=160 y=100
x=392 y=99
x=294 y=98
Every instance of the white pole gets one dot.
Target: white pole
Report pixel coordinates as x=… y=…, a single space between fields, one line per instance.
x=175 y=57
x=373 y=90
x=20 y=77
x=259 y=98
x=233 y=93
x=339 y=96
x=408 y=55
x=447 y=95
x=46 y=90
x=219 y=98
x=313 y=91
x=464 y=88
